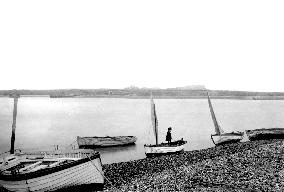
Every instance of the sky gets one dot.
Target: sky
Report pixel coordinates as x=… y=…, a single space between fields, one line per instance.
x=58 y=44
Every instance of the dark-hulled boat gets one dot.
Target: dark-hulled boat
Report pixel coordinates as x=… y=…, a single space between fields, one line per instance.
x=96 y=142
x=265 y=133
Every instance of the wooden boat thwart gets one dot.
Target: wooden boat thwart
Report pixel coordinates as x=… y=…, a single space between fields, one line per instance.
x=93 y=142
x=163 y=148
x=49 y=174
x=265 y=133
x=221 y=137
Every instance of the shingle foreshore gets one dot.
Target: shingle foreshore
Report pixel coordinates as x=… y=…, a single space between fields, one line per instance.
x=247 y=166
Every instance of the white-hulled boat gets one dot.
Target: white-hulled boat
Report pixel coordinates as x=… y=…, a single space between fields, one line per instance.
x=39 y=174
x=265 y=133
x=24 y=172
x=163 y=148
x=221 y=137
x=94 y=142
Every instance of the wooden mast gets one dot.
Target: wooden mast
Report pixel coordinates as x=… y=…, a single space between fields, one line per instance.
x=14 y=123
x=154 y=119
x=218 y=129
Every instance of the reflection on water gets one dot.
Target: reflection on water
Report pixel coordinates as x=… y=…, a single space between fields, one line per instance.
x=45 y=122
x=121 y=153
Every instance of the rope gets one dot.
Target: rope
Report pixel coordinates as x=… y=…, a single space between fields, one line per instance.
x=102 y=173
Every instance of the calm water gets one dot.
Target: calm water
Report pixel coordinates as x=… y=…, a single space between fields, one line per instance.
x=45 y=122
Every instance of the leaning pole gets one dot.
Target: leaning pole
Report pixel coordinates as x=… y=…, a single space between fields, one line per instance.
x=14 y=124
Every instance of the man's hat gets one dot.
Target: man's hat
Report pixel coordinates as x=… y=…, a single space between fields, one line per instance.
x=169 y=128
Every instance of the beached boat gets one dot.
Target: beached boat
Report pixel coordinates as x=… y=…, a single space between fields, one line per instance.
x=162 y=148
x=49 y=171
x=38 y=173
x=221 y=137
x=94 y=142
x=265 y=133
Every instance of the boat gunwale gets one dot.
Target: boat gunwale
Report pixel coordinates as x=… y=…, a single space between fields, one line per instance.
x=78 y=137
x=178 y=143
x=264 y=129
x=229 y=134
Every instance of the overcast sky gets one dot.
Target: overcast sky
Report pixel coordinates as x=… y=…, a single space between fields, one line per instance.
x=234 y=45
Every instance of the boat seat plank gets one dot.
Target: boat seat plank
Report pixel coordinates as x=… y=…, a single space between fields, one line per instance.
x=38 y=167
x=30 y=166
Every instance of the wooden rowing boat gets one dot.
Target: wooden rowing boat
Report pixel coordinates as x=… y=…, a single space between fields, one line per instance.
x=29 y=173
x=221 y=137
x=265 y=133
x=24 y=172
x=162 y=148
x=94 y=142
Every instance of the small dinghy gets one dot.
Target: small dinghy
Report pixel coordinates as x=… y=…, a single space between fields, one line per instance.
x=96 y=142
x=265 y=133
x=38 y=173
x=221 y=137
x=162 y=148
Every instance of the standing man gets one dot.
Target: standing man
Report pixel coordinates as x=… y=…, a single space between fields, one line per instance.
x=169 y=135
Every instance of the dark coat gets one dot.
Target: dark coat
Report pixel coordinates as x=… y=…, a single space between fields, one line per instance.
x=169 y=136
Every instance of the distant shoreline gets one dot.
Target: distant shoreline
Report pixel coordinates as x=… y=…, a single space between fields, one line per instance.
x=172 y=93
x=184 y=97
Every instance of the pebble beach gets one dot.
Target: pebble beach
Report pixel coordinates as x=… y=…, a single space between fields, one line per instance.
x=247 y=166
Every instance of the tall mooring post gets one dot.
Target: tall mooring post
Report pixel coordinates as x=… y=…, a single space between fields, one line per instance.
x=14 y=123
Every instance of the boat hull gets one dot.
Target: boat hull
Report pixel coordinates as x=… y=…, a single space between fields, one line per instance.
x=162 y=149
x=79 y=173
x=265 y=133
x=226 y=138
x=95 y=142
